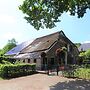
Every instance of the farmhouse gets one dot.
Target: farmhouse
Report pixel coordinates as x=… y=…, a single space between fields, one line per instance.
x=42 y=51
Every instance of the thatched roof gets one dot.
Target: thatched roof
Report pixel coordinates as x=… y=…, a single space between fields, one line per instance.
x=28 y=55
x=42 y=43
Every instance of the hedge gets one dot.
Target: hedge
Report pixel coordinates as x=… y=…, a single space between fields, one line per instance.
x=10 y=71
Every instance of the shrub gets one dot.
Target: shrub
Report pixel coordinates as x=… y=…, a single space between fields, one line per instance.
x=87 y=53
x=10 y=71
x=83 y=72
x=5 y=62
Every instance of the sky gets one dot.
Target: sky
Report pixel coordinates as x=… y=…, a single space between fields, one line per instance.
x=13 y=25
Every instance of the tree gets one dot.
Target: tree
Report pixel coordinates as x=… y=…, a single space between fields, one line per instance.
x=87 y=53
x=82 y=58
x=11 y=43
x=45 y=13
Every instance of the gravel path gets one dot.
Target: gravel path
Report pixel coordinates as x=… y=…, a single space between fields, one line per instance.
x=44 y=82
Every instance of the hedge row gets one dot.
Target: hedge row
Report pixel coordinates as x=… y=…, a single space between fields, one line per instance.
x=10 y=71
x=83 y=73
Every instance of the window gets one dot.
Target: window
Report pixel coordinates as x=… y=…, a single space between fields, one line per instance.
x=35 y=61
x=28 y=60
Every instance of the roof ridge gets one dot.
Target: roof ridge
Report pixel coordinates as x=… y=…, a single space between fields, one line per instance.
x=49 y=34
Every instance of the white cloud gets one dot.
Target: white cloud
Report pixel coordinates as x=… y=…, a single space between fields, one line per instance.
x=7 y=19
x=8 y=36
x=86 y=42
x=11 y=35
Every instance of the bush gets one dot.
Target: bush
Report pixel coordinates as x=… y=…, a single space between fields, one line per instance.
x=10 y=71
x=83 y=72
x=87 y=53
x=5 y=62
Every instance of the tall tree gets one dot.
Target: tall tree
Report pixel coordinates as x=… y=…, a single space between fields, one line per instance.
x=11 y=44
x=45 y=13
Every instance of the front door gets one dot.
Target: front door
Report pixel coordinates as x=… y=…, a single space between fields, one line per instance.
x=44 y=63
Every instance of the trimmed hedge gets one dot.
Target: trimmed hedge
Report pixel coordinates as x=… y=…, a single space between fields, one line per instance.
x=11 y=71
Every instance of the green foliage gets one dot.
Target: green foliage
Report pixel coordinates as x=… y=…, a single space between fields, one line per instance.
x=1 y=78
x=17 y=62
x=78 y=72
x=78 y=44
x=83 y=73
x=84 y=57
x=82 y=54
x=12 y=41
x=45 y=13
x=11 y=44
x=5 y=62
x=69 y=71
x=87 y=53
x=69 y=74
x=10 y=71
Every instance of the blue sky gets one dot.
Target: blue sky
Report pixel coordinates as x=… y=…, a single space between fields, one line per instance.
x=12 y=25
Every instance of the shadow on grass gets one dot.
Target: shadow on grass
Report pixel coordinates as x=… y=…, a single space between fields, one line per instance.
x=72 y=85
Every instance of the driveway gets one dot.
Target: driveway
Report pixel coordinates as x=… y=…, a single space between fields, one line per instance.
x=44 y=82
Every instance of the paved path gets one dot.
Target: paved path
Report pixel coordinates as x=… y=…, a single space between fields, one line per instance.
x=44 y=82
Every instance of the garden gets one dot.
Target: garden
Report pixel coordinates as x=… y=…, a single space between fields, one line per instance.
x=76 y=71
x=82 y=70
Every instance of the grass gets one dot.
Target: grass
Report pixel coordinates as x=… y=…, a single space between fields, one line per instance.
x=1 y=78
